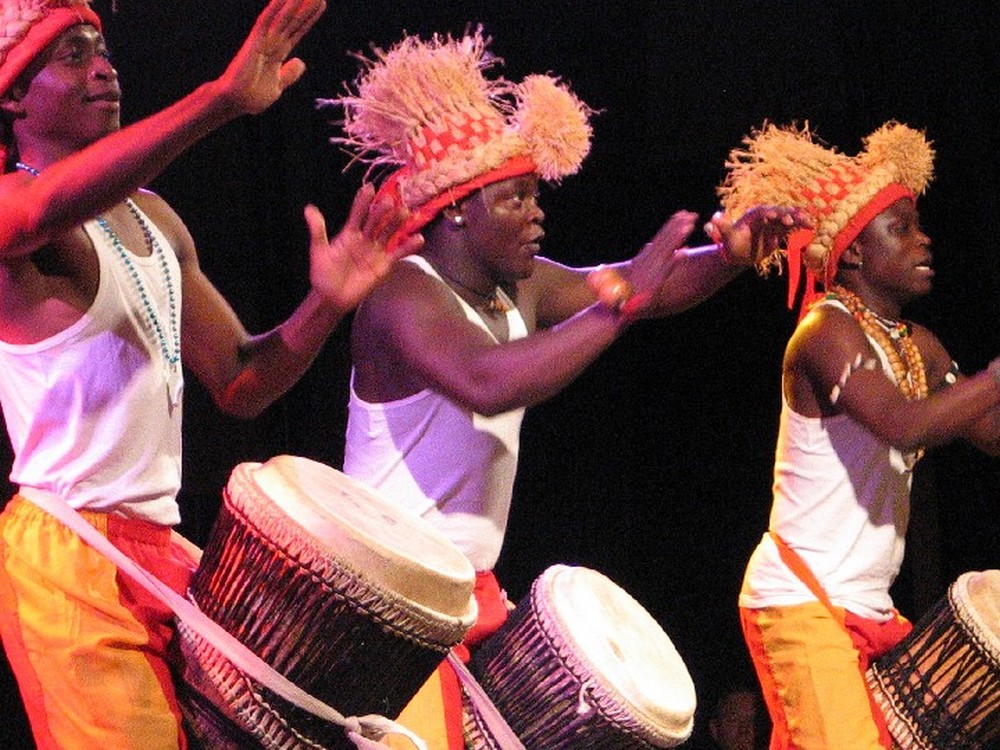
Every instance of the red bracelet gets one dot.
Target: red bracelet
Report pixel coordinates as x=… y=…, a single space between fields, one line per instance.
x=611 y=288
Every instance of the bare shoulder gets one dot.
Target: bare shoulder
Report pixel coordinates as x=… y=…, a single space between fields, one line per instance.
x=406 y=306
x=826 y=341
x=405 y=291
x=394 y=326
x=167 y=221
x=15 y=221
x=825 y=332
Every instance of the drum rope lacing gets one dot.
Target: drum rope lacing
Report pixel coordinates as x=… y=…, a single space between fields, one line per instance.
x=593 y=695
x=951 y=627
x=594 y=698
x=378 y=604
x=358 y=728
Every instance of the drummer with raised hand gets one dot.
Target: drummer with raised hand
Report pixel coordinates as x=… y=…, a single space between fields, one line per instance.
x=93 y=272
x=455 y=344
x=865 y=392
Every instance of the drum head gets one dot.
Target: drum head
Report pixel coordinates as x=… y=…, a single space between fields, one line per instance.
x=976 y=597
x=353 y=600
x=392 y=548
x=628 y=653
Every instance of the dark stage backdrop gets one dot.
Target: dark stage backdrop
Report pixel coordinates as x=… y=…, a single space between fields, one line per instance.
x=654 y=467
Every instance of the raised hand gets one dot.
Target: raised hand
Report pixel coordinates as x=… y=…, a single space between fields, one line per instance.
x=262 y=70
x=345 y=268
x=753 y=239
x=649 y=272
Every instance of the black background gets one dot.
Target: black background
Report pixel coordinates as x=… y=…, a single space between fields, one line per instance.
x=654 y=467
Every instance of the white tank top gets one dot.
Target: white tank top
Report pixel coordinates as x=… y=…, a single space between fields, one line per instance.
x=94 y=412
x=842 y=502
x=440 y=460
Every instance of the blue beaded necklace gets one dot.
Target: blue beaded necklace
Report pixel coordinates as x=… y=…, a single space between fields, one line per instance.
x=171 y=350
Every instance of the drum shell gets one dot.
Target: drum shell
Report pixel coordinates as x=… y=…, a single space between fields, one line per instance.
x=549 y=694
x=326 y=627
x=939 y=689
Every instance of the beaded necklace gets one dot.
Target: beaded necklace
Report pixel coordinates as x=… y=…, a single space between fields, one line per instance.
x=893 y=337
x=170 y=349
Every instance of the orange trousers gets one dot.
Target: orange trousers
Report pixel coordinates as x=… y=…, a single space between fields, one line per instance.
x=812 y=675
x=435 y=712
x=87 y=645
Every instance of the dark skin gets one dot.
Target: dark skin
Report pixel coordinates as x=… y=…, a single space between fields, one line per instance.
x=411 y=333
x=64 y=115
x=888 y=266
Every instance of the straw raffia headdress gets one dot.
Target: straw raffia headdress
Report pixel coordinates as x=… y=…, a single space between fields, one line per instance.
x=426 y=108
x=27 y=27
x=841 y=194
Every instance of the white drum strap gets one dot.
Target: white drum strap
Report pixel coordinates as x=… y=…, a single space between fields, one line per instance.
x=360 y=729
x=495 y=723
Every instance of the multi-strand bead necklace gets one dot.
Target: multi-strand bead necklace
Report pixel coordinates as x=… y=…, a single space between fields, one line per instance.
x=893 y=337
x=167 y=335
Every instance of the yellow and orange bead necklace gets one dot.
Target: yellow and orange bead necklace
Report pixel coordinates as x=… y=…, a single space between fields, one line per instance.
x=893 y=337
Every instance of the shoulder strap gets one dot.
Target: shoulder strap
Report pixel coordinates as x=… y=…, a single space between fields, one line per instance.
x=358 y=728
x=798 y=566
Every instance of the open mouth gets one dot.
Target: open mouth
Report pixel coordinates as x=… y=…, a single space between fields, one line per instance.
x=534 y=244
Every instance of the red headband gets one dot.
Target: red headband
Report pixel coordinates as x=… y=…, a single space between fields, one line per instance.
x=424 y=214
x=40 y=36
x=800 y=239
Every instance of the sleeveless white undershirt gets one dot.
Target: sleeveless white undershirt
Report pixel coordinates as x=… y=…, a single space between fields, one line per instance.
x=94 y=412
x=842 y=501
x=440 y=460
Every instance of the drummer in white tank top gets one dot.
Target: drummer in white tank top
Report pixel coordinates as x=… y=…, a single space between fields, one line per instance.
x=469 y=172
x=91 y=384
x=863 y=394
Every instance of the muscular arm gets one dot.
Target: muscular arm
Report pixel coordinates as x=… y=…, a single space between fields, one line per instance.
x=72 y=190
x=828 y=340
x=412 y=334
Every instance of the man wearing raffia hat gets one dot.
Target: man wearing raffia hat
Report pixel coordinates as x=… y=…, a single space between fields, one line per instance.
x=93 y=271
x=459 y=340
x=864 y=393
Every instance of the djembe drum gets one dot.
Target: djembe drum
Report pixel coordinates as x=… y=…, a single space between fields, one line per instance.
x=939 y=689
x=352 y=600
x=580 y=664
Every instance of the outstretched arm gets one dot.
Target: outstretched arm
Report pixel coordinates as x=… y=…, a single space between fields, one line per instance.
x=412 y=334
x=666 y=278
x=74 y=189
x=665 y=281
x=820 y=377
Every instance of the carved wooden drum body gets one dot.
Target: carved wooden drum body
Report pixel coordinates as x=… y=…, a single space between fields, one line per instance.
x=940 y=688
x=581 y=664
x=353 y=600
